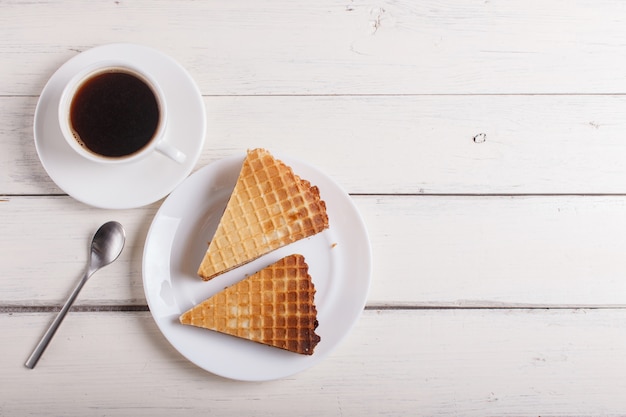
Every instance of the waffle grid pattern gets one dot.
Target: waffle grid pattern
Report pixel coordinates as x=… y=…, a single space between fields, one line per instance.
x=270 y=207
x=275 y=306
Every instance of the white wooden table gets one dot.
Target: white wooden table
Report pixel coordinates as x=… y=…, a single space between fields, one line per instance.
x=484 y=143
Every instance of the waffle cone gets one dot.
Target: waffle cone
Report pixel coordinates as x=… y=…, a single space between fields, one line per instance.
x=270 y=207
x=275 y=307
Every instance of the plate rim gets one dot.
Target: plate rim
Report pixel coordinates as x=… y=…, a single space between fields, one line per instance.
x=212 y=170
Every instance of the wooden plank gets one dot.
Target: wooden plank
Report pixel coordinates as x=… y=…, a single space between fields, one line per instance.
x=333 y=46
x=45 y=247
x=437 y=145
x=449 y=144
x=428 y=251
x=470 y=363
x=497 y=251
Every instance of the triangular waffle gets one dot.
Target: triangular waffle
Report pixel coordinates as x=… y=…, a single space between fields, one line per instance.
x=275 y=307
x=270 y=207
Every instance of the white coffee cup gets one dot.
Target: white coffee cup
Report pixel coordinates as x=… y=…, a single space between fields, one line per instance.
x=103 y=118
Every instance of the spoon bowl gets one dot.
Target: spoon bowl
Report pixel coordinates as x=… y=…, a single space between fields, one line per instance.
x=107 y=245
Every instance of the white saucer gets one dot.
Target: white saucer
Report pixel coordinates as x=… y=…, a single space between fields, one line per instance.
x=339 y=262
x=125 y=185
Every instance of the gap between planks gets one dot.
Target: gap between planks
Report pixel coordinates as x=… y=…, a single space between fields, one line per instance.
x=417 y=194
x=143 y=308
x=595 y=94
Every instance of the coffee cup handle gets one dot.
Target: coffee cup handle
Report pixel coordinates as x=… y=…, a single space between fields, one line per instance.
x=171 y=152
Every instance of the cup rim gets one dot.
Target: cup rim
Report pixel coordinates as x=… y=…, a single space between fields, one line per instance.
x=90 y=71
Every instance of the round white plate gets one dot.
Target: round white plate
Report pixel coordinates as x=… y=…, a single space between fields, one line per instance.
x=339 y=262
x=134 y=184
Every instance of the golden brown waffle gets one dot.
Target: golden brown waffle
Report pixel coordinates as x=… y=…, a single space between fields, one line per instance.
x=275 y=307
x=270 y=207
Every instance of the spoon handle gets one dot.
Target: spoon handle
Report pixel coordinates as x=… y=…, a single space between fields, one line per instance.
x=47 y=337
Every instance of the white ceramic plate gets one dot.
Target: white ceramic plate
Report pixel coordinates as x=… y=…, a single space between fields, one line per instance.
x=135 y=184
x=339 y=262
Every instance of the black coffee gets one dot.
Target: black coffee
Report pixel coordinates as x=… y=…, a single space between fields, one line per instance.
x=114 y=114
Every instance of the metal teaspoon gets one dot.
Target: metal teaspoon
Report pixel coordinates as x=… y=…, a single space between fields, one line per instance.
x=106 y=246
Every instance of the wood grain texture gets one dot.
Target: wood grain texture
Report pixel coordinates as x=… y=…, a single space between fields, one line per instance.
x=428 y=251
x=419 y=145
x=335 y=46
x=430 y=363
